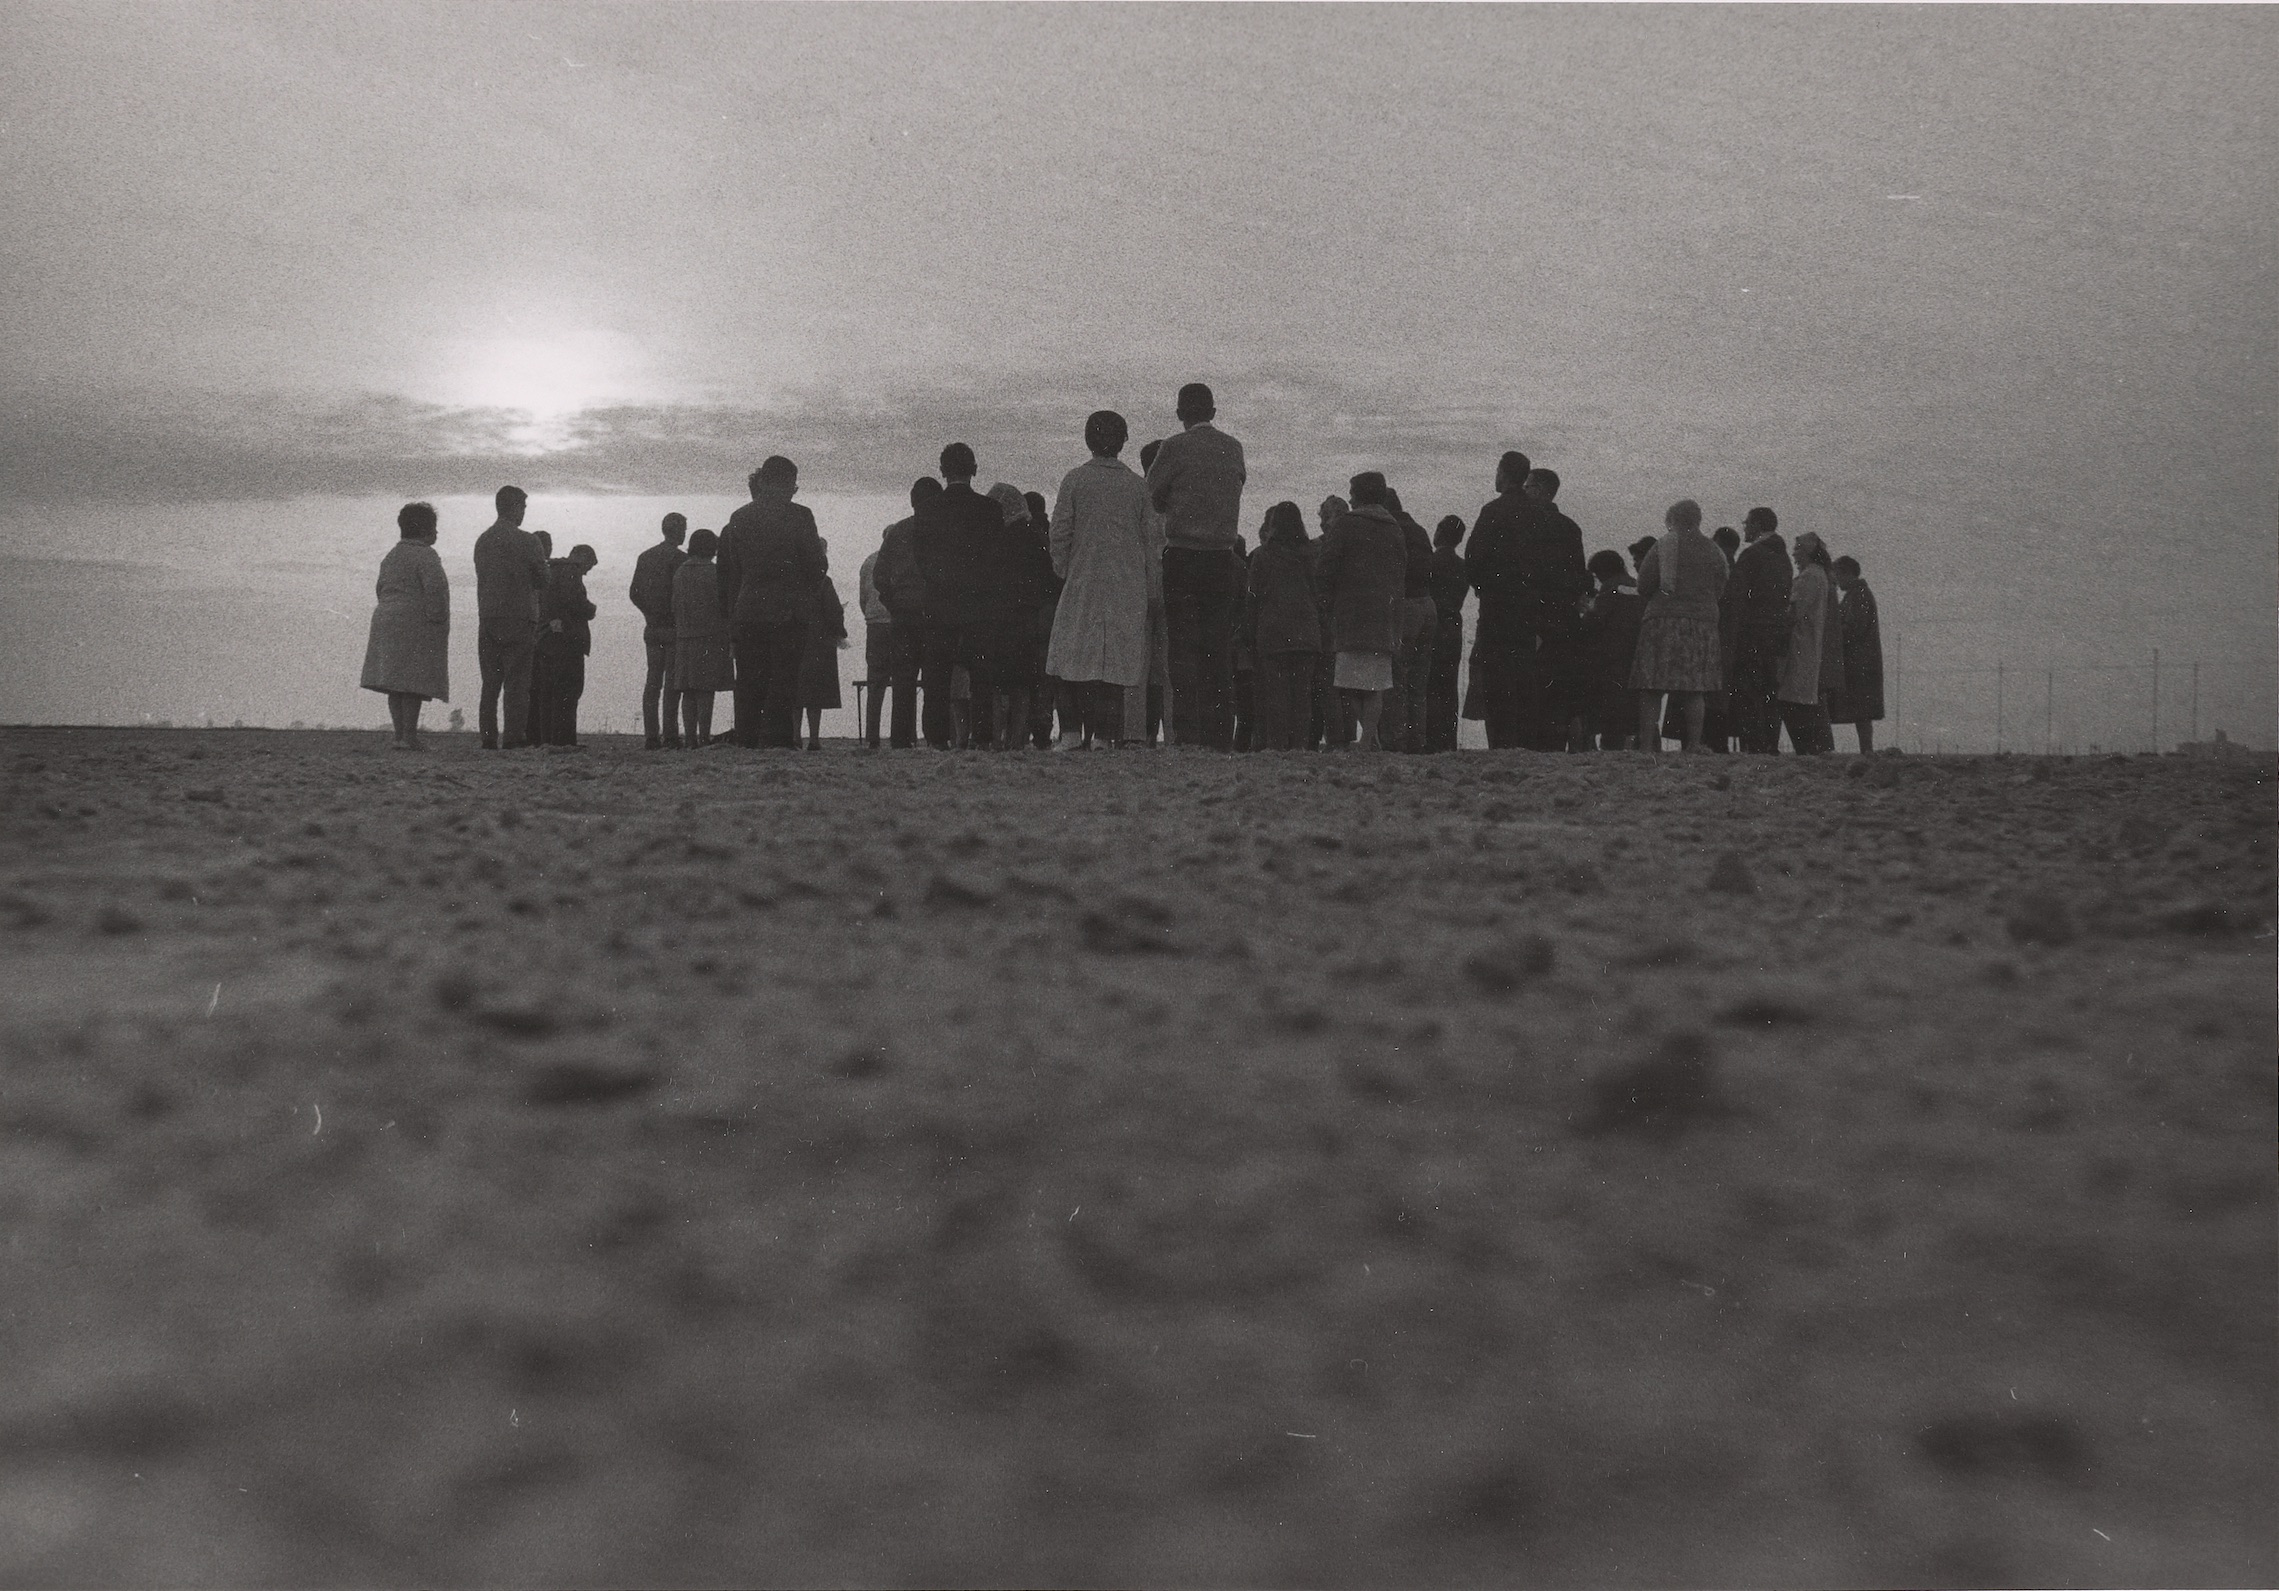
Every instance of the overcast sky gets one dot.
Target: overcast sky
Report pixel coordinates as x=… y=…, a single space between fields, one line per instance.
x=1966 y=289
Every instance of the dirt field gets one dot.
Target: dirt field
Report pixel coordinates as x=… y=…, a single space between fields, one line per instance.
x=1135 y=1168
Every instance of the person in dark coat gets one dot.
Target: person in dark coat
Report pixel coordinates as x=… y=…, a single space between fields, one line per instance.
x=1403 y=728
x=981 y=591
x=819 y=657
x=1859 y=701
x=1329 y=726
x=564 y=640
x=533 y=731
x=652 y=593
x=1559 y=653
x=1282 y=618
x=902 y=588
x=1364 y=563
x=510 y=571
x=1450 y=586
x=771 y=555
x=1758 y=622
x=703 y=661
x=1609 y=644
x=1525 y=560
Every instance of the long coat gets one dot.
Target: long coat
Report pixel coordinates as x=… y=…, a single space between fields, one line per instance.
x=1363 y=564
x=409 y=649
x=1103 y=540
x=1812 y=664
x=1860 y=700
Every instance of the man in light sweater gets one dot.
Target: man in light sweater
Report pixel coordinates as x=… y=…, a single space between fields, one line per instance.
x=1196 y=484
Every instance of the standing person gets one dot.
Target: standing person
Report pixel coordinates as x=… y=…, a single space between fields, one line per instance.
x=652 y=593
x=1403 y=726
x=1196 y=483
x=976 y=582
x=510 y=570
x=1331 y=726
x=1364 y=562
x=1610 y=644
x=407 y=656
x=1028 y=577
x=564 y=641
x=1559 y=654
x=1717 y=719
x=1681 y=580
x=770 y=558
x=1045 y=696
x=1524 y=558
x=903 y=589
x=878 y=648
x=1145 y=710
x=819 y=656
x=1811 y=661
x=1101 y=547
x=1283 y=618
x=534 y=730
x=703 y=661
x=1450 y=586
x=1860 y=703
x=1760 y=629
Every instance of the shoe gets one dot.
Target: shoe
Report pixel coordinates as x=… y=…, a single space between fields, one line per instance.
x=652 y=744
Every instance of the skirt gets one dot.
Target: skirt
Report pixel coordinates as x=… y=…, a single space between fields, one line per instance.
x=703 y=663
x=1677 y=654
x=1364 y=671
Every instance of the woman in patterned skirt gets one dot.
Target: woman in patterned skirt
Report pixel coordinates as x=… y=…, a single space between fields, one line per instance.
x=1678 y=649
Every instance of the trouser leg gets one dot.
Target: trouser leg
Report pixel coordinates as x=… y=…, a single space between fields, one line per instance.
x=941 y=669
x=491 y=660
x=751 y=694
x=517 y=659
x=780 y=718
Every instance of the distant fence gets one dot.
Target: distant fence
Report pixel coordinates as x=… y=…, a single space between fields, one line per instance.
x=2152 y=705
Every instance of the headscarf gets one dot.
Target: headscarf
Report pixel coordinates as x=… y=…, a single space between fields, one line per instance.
x=1814 y=549
x=1009 y=498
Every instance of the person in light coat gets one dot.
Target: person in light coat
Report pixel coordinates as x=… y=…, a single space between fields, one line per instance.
x=407 y=657
x=1101 y=547
x=1812 y=662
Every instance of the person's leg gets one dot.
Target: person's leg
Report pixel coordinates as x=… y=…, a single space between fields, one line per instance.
x=573 y=691
x=1649 y=720
x=1270 y=700
x=1692 y=705
x=940 y=715
x=874 y=711
x=1372 y=705
x=1183 y=628
x=1074 y=698
x=1218 y=607
x=652 y=687
x=490 y=658
x=1865 y=729
x=749 y=642
x=692 y=721
x=814 y=729
x=518 y=659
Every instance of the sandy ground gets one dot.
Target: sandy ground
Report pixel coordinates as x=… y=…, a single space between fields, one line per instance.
x=1141 y=1168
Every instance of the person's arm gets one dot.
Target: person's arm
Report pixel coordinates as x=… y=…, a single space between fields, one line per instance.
x=1061 y=541
x=435 y=590
x=730 y=563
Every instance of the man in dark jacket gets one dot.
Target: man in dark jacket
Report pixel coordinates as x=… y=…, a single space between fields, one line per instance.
x=903 y=589
x=1524 y=559
x=652 y=593
x=1450 y=586
x=565 y=637
x=771 y=556
x=1758 y=592
x=981 y=590
x=1560 y=656
x=510 y=571
x=1403 y=724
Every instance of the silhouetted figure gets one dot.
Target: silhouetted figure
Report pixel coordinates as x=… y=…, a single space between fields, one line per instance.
x=902 y=587
x=1364 y=563
x=1145 y=711
x=819 y=657
x=1760 y=630
x=1681 y=580
x=1812 y=661
x=878 y=648
x=510 y=571
x=1330 y=727
x=980 y=590
x=1196 y=483
x=1101 y=547
x=703 y=660
x=652 y=593
x=1283 y=618
x=532 y=729
x=1526 y=562
x=1559 y=649
x=1044 y=694
x=565 y=637
x=407 y=656
x=1450 y=586
x=1860 y=702
x=1403 y=725
x=1029 y=580
x=1610 y=645
x=770 y=557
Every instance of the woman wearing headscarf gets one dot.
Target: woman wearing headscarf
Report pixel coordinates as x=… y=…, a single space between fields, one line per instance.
x=407 y=656
x=1681 y=580
x=1813 y=660
x=702 y=659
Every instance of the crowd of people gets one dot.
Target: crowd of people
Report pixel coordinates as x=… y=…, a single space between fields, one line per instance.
x=1133 y=606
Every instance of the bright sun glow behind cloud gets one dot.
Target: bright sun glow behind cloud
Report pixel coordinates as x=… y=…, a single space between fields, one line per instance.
x=548 y=379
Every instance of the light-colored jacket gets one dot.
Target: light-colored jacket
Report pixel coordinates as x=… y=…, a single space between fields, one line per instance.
x=1812 y=631
x=409 y=647
x=1196 y=484
x=874 y=606
x=1103 y=543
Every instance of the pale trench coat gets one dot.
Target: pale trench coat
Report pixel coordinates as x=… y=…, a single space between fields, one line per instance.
x=409 y=649
x=1108 y=546
x=1812 y=664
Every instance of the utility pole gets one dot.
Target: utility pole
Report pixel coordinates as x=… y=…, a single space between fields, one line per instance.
x=2156 y=701
x=2049 y=711
x=1998 y=707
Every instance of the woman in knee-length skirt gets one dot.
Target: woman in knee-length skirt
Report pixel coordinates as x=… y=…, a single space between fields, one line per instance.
x=1678 y=644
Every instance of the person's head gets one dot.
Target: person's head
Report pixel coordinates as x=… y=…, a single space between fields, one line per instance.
x=416 y=522
x=703 y=544
x=512 y=502
x=957 y=463
x=1638 y=551
x=1511 y=472
x=1332 y=510
x=1148 y=451
x=924 y=490
x=1105 y=433
x=545 y=540
x=1196 y=404
x=583 y=556
x=675 y=528
x=1009 y=500
x=1809 y=549
x=1607 y=568
x=1392 y=500
x=1367 y=488
x=1449 y=532
x=1543 y=484
x=1759 y=522
x=1285 y=526
x=1039 y=513
x=1847 y=571
x=1728 y=540
x=1684 y=514
x=777 y=474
